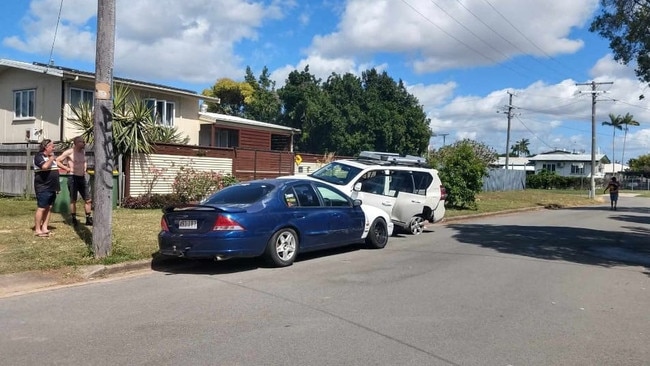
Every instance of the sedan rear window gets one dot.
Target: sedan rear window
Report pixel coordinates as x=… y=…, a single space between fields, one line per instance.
x=240 y=193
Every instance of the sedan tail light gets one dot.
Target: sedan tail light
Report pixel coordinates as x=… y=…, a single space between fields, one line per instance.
x=163 y=224
x=225 y=223
x=443 y=193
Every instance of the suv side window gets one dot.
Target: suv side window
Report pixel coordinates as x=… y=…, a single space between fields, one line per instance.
x=400 y=181
x=422 y=182
x=374 y=182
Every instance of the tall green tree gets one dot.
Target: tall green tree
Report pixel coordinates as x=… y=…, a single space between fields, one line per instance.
x=233 y=96
x=347 y=114
x=615 y=122
x=627 y=121
x=625 y=24
x=264 y=103
x=302 y=98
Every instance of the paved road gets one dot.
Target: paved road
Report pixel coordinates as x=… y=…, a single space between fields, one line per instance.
x=552 y=287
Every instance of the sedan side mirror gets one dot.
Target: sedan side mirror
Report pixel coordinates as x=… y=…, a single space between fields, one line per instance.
x=357 y=186
x=356 y=203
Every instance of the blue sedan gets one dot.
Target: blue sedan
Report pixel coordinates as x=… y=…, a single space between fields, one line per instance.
x=276 y=218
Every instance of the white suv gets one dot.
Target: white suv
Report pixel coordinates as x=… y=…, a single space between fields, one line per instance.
x=402 y=186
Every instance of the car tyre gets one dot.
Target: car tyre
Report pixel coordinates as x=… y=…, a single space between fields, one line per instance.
x=416 y=225
x=378 y=234
x=282 y=248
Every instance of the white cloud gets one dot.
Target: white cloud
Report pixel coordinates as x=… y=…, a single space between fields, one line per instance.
x=441 y=35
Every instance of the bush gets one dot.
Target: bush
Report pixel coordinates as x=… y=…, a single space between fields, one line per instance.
x=149 y=201
x=462 y=167
x=192 y=185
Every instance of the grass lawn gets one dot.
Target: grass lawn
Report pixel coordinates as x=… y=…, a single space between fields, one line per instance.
x=135 y=231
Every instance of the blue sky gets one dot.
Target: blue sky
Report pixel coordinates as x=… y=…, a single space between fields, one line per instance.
x=459 y=57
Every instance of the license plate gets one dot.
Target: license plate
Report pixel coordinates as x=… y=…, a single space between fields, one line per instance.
x=187 y=224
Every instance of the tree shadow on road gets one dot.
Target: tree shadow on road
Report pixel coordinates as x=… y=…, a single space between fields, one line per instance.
x=577 y=245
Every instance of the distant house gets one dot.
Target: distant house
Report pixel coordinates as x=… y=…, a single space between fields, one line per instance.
x=36 y=100
x=514 y=163
x=569 y=165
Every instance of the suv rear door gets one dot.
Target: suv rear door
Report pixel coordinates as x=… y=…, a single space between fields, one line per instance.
x=407 y=203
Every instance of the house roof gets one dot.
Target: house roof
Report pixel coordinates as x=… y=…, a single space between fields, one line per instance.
x=566 y=157
x=238 y=121
x=62 y=72
x=511 y=161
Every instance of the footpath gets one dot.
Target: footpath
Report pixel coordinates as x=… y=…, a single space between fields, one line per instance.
x=15 y=284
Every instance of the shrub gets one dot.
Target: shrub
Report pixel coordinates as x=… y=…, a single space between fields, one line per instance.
x=192 y=185
x=149 y=201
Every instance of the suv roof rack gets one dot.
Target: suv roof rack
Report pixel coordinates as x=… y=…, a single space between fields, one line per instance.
x=386 y=158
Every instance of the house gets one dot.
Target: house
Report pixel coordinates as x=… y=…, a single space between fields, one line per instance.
x=569 y=164
x=514 y=163
x=36 y=100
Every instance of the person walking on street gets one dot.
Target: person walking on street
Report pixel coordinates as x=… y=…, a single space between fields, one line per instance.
x=613 y=187
x=74 y=161
x=46 y=186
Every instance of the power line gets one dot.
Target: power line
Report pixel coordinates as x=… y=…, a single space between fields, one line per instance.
x=56 y=30
x=463 y=43
x=522 y=34
x=507 y=40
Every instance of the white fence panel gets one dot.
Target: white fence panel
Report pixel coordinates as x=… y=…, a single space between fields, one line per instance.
x=155 y=173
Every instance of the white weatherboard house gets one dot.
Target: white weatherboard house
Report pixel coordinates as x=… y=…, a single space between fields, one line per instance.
x=569 y=165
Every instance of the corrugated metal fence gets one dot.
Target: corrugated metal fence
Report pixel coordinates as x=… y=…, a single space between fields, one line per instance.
x=504 y=180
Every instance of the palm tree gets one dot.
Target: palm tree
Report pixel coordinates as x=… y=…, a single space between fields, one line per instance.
x=616 y=123
x=523 y=147
x=628 y=120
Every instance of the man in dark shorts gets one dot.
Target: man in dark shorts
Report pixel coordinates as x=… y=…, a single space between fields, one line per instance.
x=74 y=162
x=46 y=186
x=613 y=187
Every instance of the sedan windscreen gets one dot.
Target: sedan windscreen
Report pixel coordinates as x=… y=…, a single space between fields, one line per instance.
x=240 y=193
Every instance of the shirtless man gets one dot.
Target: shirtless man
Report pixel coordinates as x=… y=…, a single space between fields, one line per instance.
x=73 y=161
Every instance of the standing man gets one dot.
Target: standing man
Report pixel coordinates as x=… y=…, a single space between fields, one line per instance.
x=613 y=187
x=73 y=161
x=46 y=186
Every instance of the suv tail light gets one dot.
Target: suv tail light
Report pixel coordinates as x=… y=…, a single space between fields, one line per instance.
x=443 y=193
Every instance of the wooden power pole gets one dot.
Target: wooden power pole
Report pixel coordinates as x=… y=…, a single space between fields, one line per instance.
x=103 y=125
x=594 y=93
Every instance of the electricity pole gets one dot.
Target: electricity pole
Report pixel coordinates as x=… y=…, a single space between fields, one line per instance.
x=509 y=112
x=594 y=93
x=103 y=127
x=444 y=135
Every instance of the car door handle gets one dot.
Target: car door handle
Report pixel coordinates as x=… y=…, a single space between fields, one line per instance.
x=299 y=216
x=387 y=203
x=416 y=201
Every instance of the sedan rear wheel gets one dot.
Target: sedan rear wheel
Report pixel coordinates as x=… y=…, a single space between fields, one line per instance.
x=416 y=226
x=378 y=234
x=282 y=248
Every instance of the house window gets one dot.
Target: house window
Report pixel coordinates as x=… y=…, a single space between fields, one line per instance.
x=24 y=101
x=162 y=111
x=280 y=142
x=578 y=169
x=81 y=96
x=227 y=138
x=548 y=167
